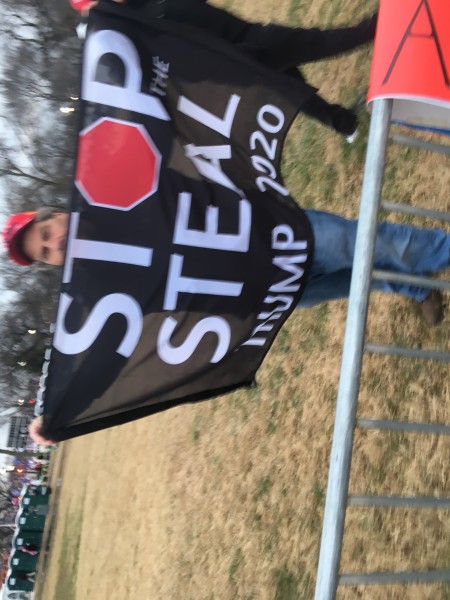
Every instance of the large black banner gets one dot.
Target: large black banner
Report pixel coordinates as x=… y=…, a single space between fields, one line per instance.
x=185 y=253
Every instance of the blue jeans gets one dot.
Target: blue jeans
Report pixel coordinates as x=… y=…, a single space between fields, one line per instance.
x=398 y=248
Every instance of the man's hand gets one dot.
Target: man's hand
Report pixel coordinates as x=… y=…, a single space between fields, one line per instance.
x=35 y=429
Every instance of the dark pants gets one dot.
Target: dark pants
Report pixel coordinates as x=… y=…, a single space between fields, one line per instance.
x=279 y=47
x=286 y=48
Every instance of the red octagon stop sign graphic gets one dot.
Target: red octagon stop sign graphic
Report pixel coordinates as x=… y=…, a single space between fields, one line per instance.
x=118 y=164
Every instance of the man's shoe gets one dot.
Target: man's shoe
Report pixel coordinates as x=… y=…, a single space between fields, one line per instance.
x=351 y=139
x=432 y=308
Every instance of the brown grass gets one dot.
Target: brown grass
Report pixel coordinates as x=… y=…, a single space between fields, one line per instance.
x=224 y=501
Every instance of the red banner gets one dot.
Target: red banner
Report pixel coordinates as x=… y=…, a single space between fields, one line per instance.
x=411 y=59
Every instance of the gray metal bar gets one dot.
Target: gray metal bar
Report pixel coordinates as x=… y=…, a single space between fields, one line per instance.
x=427 y=282
x=408 y=427
x=400 y=501
x=405 y=140
x=341 y=451
x=407 y=352
x=391 y=577
x=416 y=210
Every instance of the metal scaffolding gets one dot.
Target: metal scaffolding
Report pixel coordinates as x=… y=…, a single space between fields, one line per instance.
x=337 y=500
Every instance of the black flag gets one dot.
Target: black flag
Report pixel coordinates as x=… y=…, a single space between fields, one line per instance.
x=185 y=253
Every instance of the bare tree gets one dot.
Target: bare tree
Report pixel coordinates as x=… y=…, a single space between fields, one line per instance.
x=37 y=146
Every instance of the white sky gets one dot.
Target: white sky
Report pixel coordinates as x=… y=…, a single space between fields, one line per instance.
x=5 y=295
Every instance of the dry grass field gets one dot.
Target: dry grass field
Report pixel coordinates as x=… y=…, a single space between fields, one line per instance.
x=224 y=500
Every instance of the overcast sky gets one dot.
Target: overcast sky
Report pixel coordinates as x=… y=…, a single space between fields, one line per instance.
x=5 y=295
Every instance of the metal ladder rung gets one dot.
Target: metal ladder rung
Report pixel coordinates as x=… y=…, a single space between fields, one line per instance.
x=400 y=501
x=415 y=210
x=405 y=140
x=407 y=426
x=428 y=282
x=390 y=577
x=328 y=577
x=407 y=352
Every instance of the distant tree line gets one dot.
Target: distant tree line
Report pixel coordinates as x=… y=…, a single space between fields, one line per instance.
x=37 y=148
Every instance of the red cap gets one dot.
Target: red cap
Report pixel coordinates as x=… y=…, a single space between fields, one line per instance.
x=12 y=236
x=80 y=5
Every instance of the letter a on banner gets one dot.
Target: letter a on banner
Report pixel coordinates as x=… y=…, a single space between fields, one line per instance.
x=411 y=61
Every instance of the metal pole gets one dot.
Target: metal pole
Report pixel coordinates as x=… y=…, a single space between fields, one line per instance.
x=404 y=140
x=407 y=427
x=418 y=280
x=400 y=501
x=333 y=523
x=394 y=577
x=416 y=210
x=408 y=352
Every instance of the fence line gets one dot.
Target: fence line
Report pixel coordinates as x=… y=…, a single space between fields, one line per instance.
x=337 y=499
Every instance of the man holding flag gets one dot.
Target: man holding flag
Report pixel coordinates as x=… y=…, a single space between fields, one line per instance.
x=41 y=237
x=184 y=253
x=276 y=46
